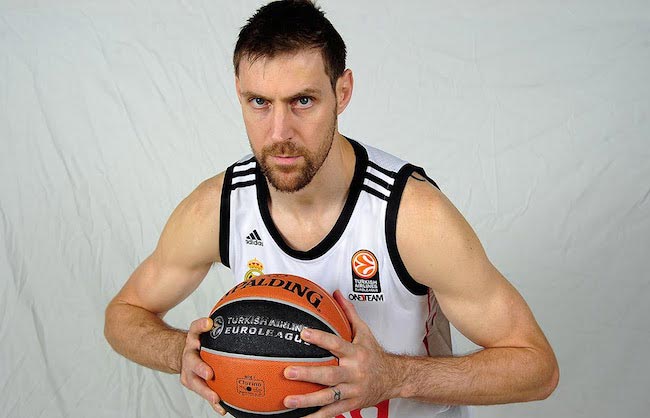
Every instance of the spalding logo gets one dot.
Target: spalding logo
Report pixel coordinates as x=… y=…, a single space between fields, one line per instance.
x=217 y=328
x=312 y=296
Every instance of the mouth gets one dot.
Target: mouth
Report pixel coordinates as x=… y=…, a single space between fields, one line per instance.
x=285 y=159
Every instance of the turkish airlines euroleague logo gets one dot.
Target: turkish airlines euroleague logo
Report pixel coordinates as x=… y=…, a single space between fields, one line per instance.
x=365 y=272
x=364 y=264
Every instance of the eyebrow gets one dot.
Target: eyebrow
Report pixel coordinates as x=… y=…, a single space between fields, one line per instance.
x=305 y=92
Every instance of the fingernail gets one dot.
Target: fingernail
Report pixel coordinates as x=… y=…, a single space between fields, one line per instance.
x=306 y=332
x=292 y=403
x=291 y=373
x=217 y=407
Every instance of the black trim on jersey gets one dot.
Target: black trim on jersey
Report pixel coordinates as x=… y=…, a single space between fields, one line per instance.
x=250 y=160
x=224 y=218
x=335 y=234
x=426 y=178
x=243 y=173
x=391 y=229
x=242 y=184
x=430 y=180
x=379 y=181
x=374 y=192
x=381 y=169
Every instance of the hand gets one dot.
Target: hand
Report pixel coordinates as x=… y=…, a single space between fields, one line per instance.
x=365 y=376
x=194 y=371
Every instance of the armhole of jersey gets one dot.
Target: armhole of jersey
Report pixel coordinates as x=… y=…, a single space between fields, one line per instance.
x=224 y=219
x=391 y=228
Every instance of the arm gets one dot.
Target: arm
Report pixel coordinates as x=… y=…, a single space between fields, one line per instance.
x=517 y=364
x=134 y=325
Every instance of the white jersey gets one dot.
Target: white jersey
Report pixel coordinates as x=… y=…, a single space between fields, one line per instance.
x=359 y=256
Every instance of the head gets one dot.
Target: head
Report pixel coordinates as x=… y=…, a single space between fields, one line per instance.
x=288 y=26
x=292 y=85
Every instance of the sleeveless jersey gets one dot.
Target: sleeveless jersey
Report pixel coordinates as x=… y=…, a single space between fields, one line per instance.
x=359 y=256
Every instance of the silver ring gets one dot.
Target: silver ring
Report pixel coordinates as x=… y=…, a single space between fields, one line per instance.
x=337 y=394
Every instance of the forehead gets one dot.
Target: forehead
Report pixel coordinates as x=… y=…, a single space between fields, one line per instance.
x=287 y=71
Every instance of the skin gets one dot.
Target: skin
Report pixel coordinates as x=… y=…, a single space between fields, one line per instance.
x=289 y=109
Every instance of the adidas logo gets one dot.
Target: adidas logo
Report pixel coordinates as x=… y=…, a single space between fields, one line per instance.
x=254 y=239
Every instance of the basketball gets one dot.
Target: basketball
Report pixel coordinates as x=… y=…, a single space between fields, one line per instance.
x=256 y=335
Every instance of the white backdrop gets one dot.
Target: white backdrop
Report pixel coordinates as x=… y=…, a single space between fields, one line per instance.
x=533 y=116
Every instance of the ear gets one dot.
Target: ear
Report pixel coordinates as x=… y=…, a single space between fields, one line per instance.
x=238 y=89
x=344 y=87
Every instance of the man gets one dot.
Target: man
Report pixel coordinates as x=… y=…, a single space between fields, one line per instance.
x=374 y=230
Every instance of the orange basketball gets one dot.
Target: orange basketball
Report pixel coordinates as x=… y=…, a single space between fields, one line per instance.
x=256 y=335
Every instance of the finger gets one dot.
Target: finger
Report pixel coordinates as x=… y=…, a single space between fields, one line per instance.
x=350 y=312
x=198 y=385
x=324 y=375
x=330 y=342
x=197 y=327
x=200 y=326
x=321 y=397
x=203 y=370
x=193 y=362
x=334 y=409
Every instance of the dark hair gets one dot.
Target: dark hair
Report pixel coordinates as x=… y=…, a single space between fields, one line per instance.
x=289 y=26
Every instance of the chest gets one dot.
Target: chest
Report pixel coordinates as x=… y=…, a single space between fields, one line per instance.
x=305 y=232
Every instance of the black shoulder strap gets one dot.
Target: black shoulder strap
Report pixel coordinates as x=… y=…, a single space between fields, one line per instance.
x=224 y=218
x=391 y=227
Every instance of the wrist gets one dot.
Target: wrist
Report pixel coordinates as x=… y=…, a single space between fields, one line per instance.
x=177 y=347
x=397 y=370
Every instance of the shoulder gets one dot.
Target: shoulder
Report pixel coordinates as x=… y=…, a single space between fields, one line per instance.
x=206 y=197
x=422 y=201
x=192 y=230
x=202 y=204
x=433 y=238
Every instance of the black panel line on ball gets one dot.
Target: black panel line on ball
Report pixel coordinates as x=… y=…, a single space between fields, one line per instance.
x=282 y=302
x=281 y=411
x=265 y=358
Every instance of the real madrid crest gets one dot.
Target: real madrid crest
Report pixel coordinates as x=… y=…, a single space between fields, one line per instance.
x=255 y=268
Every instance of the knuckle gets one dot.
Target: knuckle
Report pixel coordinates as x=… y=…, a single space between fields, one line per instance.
x=199 y=325
x=336 y=344
x=193 y=326
x=357 y=374
x=353 y=392
x=189 y=359
x=332 y=375
x=189 y=345
x=363 y=357
x=192 y=341
x=199 y=368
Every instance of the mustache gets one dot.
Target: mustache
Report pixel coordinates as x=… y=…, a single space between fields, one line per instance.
x=283 y=148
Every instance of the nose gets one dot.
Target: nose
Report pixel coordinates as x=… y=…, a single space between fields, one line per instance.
x=281 y=129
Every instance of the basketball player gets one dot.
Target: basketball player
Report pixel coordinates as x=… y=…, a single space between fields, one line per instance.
x=373 y=229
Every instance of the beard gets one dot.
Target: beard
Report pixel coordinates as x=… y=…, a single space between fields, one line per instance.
x=294 y=177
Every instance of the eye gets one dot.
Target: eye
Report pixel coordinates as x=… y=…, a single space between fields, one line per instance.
x=304 y=102
x=257 y=102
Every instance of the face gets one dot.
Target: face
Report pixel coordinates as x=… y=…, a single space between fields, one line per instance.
x=290 y=113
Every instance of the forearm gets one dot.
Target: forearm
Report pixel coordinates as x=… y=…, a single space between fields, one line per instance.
x=490 y=376
x=144 y=338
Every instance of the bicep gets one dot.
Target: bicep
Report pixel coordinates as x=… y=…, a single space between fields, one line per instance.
x=158 y=287
x=487 y=309
x=187 y=248
x=472 y=293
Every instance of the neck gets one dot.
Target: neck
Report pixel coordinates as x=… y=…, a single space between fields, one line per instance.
x=328 y=189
